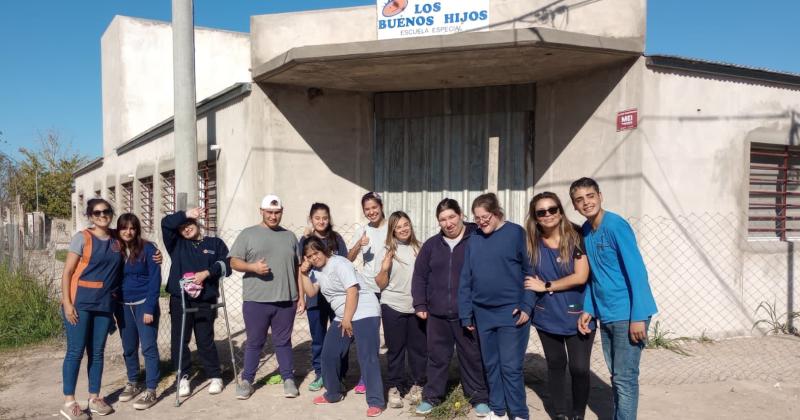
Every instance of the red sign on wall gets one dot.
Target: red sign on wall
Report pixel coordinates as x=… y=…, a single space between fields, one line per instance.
x=627 y=120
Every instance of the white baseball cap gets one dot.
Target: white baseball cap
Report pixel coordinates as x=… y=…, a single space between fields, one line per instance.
x=271 y=202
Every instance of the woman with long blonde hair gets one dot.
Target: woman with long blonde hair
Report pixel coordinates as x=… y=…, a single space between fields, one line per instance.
x=403 y=331
x=556 y=252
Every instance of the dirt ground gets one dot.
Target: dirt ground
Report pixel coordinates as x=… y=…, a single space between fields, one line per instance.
x=743 y=379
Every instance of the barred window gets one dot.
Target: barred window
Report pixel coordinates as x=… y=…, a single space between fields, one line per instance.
x=112 y=196
x=127 y=197
x=146 y=202
x=774 y=208
x=207 y=189
x=168 y=192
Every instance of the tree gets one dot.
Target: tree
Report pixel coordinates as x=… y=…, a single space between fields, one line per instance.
x=52 y=165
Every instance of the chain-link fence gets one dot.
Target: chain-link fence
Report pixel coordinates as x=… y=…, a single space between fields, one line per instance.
x=711 y=284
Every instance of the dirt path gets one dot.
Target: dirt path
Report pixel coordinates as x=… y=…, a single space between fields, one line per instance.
x=30 y=387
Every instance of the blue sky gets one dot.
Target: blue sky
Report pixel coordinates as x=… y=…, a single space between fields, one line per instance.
x=50 y=65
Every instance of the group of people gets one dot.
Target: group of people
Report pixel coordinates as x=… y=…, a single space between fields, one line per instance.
x=476 y=288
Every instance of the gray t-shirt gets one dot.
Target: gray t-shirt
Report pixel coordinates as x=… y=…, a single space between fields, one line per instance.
x=397 y=294
x=335 y=278
x=77 y=243
x=372 y=253
x=277 y=249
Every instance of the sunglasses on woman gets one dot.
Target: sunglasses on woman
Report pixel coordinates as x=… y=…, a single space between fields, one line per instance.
x=104 y=212
x=544 y=212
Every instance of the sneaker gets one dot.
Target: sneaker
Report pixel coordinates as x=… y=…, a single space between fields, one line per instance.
x=482 y=410
x=184 y=387
x=131 y=390
x=98 y=406
x=374 y=411
x=424 y=408
x=215 y=387
x=321 y=400
x=73 y=411
x=414 y=395
x=360 y=388
x=290 y=389
x=395 y=400
x=244 y=390
x=494 y=416
x=316 y=385
x=147 y=400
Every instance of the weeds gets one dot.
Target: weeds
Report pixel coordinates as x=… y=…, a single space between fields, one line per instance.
x=775 y=323
x=29 y=313
x=455 y=406
x=61 y=254
x=659 y=339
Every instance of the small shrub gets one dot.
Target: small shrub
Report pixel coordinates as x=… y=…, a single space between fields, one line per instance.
x=29 y=313
x=659 y=339
x=775 y=323
x=61 y=254
x=455 y=406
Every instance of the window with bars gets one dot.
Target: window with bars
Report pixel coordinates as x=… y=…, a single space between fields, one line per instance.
x=112 y=195
x=774 y=208
x=168 y=192
x=146 y=203
x=207 y=189
x=127 y=198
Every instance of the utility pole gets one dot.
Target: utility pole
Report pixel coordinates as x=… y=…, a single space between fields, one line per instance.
x=185 y=111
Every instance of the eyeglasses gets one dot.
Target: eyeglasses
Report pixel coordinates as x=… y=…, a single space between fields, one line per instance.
x=483 y=219
x=104 y=212
x=544 y=212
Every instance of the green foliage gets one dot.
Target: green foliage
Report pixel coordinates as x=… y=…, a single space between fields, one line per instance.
x=61 y=254
x=455 y=406
x=29 y=313
x=776 y=323
x=659 y=339
x=51 y=166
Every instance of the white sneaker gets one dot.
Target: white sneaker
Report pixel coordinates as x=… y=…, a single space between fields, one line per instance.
x=216 y=386
x=184 y=388
x=494 y=416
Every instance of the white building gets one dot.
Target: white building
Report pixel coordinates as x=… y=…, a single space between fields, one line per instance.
x=313 y=106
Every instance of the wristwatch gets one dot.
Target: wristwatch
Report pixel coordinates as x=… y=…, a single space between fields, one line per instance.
x=547 y=287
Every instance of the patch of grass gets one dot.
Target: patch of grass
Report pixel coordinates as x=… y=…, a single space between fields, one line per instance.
x=659 y=339
x=705 y=339
x=61 y=254
x=455 y=406
x=28 y=313
x=775 y=323
x=163 y=293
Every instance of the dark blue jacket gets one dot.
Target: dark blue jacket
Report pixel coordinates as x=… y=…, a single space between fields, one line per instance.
x=434 y=286
x=192 y=256
x=493 y=275
x=142 y=279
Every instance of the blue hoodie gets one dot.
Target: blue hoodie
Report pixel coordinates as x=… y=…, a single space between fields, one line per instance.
x=142 y=279
x=618 y=289
x=493 y=275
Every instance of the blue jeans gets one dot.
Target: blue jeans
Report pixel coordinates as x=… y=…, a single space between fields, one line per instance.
x=89 y=335
x=367 y=338
x=134 y=332
x=622 y=358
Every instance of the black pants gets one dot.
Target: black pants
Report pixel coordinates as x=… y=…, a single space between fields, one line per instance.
x=202 y=324
x=442 y=335
x=405 y=336
x=578 y=351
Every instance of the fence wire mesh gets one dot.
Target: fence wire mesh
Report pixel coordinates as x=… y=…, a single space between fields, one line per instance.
x=726 y=305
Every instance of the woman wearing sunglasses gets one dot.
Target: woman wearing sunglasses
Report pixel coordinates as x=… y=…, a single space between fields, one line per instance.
x=92 y=273
x=493 y=300
x=556 y=252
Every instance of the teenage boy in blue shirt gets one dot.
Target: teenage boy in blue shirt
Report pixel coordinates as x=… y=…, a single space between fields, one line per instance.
x=618 y=294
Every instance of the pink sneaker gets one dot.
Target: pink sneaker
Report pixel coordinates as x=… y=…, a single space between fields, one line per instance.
x=374 y=411
x=360 y=388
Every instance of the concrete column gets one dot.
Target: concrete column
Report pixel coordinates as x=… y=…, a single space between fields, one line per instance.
x=185 y=111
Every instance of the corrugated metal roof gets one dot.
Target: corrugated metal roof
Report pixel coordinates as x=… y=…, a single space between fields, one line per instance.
x=722 y=68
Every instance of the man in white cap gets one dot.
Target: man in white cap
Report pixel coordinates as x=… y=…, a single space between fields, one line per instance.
x=266 y=254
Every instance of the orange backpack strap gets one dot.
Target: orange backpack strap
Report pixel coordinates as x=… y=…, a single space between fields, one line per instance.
x=86 y=255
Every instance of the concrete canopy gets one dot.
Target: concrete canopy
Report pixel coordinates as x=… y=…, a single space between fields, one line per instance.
x=487 y=58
